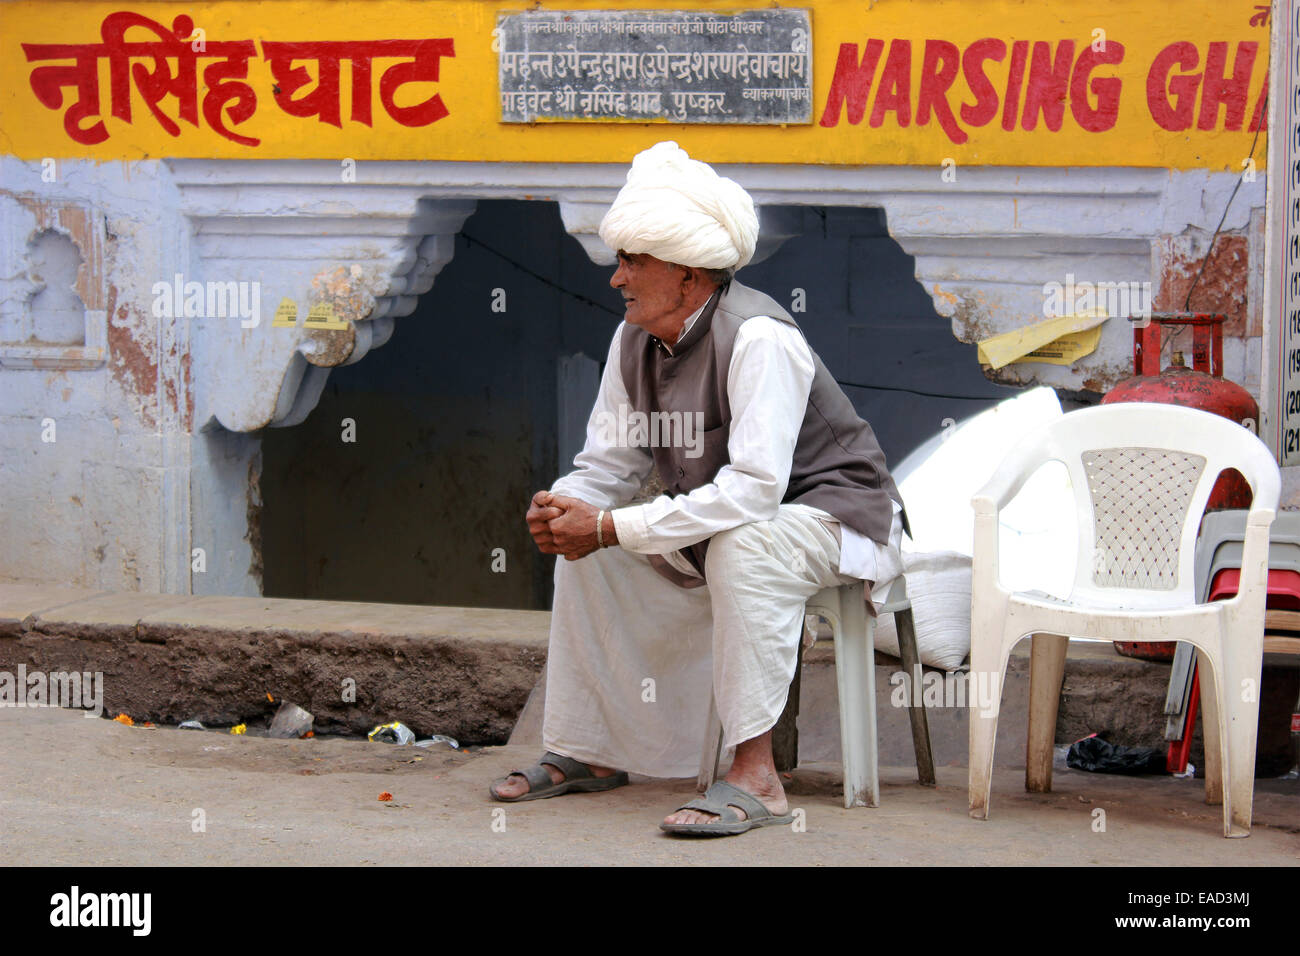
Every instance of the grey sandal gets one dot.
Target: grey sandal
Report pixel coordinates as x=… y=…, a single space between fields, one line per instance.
x=719 y=800
x=578 y=778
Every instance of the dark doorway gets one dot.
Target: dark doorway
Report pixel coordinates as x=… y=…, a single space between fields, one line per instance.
x=456 y=416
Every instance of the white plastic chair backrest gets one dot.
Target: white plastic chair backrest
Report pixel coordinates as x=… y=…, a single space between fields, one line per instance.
x=1141 y=474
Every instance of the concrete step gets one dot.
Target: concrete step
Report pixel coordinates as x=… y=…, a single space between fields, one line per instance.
x=468 y=672
x=465 y=672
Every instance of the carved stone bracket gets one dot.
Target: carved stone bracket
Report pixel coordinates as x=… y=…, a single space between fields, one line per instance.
x=334 y=263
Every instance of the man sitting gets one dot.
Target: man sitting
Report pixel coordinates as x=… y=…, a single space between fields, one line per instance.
x=775 y=489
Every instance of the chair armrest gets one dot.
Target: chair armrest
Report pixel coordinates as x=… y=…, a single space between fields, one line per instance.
x=1016 y=468
x=1007 y=481
x=1265 y=479
x=1253 y=585
x=984 y=550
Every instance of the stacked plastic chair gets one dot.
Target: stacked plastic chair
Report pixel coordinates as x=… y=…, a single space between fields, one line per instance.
x=1218 y=575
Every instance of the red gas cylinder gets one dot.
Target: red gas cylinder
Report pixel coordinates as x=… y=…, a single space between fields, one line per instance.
x=1201 y=386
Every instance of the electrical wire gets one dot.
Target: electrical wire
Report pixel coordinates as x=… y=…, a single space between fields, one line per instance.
x=914 y=391
x=591 y=302
x=538 y=276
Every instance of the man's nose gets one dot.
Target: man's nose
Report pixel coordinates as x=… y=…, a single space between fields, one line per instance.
x=618 y=279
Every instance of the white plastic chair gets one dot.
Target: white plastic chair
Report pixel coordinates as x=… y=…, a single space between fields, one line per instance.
x=1141 y=474
x=855 y=674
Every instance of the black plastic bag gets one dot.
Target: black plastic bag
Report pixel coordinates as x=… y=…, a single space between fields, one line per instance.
x=1101 y=756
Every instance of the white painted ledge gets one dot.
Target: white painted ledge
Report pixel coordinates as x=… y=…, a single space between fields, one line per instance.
x=984 y=245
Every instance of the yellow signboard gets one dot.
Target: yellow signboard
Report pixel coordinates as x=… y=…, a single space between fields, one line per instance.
x=898 y=82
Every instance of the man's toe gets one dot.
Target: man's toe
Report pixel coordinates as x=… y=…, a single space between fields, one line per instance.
x=695 y=817
x=515 y=785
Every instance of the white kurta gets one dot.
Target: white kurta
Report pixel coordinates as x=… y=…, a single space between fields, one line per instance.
x=768 y=382
x=632 y=656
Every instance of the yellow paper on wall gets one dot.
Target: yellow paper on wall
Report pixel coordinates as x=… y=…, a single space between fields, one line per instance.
x=1066 y=350
x=286 y=315
x=322 y=316
x=1018 y=344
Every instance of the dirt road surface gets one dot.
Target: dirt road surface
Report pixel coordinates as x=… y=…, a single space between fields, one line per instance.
x=81 y=791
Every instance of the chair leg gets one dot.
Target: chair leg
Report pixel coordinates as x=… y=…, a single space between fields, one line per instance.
x=911 y=660
x=1239 y=726
x=785 y=735
x=1209 y=677
x=712 y=748
x=855 y=675
x=1046 y=671
x=988 y=661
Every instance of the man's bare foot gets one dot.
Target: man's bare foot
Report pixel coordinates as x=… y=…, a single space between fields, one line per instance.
x=767 y=788
x=515 y=785
x=752 y=771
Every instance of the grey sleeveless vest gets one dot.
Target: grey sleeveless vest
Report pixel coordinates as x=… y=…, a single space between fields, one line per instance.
x=838 y=464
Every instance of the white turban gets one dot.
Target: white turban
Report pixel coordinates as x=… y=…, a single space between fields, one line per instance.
x=679 y=210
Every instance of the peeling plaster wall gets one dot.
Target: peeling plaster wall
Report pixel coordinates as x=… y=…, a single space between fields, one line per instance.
x=226 y=508
x=127 y=489
x=105 y=504
x=1099 y=225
